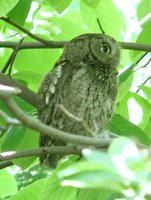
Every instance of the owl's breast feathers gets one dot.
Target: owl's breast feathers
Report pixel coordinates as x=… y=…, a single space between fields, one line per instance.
x=85 y=91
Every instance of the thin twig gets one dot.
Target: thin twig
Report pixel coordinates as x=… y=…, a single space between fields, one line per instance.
x=133 y=65
x=143 y=83
x=7 y=63
x=147 y=63
x=141 y=68
x=25 y=31
x=100 y=26
x=11 y=59
x=14 y=56
x=9 y=120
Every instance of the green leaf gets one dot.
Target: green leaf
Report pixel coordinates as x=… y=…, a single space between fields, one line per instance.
x=60 y=193
x=89 y=194
x=30 y=140
x=60 y=5
x=26 y=107
x=144 y=37
x=126 y=74
x=124 y=85
x=97 y=172
x=143 y=8
x=19 y=13
x=109 y=17
x=6 y=6
x=148 y=128
x=39 y=60
x=145 y=109
x=96 y=194
x=121 y=107
x=97 y=156
x=53 y=190
x=88 y=174
x=125 y=151
x=138 y=163
x=123 y=146
x=134 y=108
x=20 y=138
x=119 y=170
x=103 y=163
x=4 y=108
x=13 y=138
x=92 y=4
x=125 y=59
x=147 y=92
x=8 y=184
x=30 y=192
x=5 y=53
x=95 y=179
x=123 y=127
x=27 y=76
x=69 y=20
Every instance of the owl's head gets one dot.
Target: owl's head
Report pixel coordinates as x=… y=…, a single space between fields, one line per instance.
x=105 y=49
x=98 y=47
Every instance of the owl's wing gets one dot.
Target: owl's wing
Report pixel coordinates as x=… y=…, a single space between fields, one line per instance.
x=47 y=96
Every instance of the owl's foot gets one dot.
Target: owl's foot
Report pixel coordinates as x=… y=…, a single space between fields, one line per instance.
x=79 y=120
x=106 y=134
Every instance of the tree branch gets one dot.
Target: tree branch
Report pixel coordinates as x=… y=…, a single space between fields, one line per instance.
x=5 y=164
x=60 y=44
x=52 y=44
x=25 y=93
x=33 y=45
x=9 y=120
x=10 y=155
x=9 y=21
x=12 y=57
x=41 y=40
x=135 y=46
x=5 y=95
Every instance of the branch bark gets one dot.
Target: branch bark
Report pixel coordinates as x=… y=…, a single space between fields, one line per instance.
x=60 y=44
x=25 y=93
x=34 y=45
x=135 y=46
x=5 y=164
x=10 y=155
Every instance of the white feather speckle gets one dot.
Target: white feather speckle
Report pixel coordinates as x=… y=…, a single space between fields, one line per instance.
x=52 y=88
x=47 y=99
x=59 y=71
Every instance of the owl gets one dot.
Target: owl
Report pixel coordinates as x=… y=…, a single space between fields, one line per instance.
x=84 y=83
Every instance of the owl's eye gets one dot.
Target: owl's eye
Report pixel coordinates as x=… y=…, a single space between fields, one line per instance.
x=105 y=49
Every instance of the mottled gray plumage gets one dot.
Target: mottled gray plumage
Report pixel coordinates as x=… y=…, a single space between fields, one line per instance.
x=84 y=81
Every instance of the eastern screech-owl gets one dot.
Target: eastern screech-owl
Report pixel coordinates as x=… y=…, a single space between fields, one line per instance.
x=84 y=81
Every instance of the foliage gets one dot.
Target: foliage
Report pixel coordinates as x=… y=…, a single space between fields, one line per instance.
x=121 y=172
